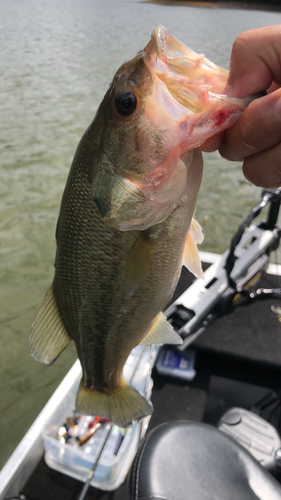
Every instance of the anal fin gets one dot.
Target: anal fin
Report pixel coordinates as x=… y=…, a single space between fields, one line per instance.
x=161 y=332
x=48 y=337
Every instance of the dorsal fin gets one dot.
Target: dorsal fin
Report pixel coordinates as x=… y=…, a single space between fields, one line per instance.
x=48 y=337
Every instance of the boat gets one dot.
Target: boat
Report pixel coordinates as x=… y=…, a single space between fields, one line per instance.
x=230 y=357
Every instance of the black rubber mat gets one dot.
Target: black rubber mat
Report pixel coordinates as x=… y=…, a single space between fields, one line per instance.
x=251 y=332
x=224 y=393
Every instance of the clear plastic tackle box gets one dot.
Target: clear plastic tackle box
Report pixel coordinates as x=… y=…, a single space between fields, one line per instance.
x=121 y=445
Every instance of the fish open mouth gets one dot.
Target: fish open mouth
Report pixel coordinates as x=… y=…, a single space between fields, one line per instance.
x=171 y=99
x=190 y=78
x=188 y=92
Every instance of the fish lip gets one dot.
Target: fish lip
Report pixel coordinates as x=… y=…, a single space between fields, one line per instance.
x=163 y=56
x=159 y=38
x=190 y=78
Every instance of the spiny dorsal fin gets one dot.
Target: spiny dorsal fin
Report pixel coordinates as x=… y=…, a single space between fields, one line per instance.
x=191 y=258
x=139 y=260
x=161 y=333
x=48 y=337
x=121 y=406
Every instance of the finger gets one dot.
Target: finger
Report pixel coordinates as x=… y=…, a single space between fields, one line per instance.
x=255 y=61
x=274 y=86
x=212 y=143
x=257 y=129
x=264 y=169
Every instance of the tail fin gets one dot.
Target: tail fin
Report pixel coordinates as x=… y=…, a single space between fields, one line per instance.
x=121 y=406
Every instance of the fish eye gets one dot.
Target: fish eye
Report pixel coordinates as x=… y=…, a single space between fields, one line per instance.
x=126 y=103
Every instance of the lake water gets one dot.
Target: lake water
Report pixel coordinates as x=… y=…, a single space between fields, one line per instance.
x=57 y=58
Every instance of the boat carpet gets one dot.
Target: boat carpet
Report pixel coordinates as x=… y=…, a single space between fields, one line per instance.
x=234 y=368
x=251 y=332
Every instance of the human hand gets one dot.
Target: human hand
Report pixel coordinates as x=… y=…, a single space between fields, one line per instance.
x=255 y=138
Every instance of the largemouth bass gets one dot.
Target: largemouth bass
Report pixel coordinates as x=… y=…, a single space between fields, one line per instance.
x=126 y=220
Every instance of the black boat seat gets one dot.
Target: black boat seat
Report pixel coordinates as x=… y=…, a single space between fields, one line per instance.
x=185 y=460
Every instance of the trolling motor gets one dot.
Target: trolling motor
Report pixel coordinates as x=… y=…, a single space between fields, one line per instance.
x=228 y=279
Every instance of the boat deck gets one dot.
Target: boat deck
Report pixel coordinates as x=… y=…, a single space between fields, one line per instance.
x=238 y=363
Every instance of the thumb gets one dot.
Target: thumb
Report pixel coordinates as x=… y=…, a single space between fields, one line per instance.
x=258 y=128
x=255 y=62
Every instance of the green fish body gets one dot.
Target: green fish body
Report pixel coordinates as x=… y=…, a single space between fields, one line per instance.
x=126 y=221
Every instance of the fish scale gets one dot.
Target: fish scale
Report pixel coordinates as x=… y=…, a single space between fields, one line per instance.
x=100 y=271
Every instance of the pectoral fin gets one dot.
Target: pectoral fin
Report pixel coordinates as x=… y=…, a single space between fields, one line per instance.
x=161 y=333
x=48 y=337
x=197 y=231
x=191 y=257
x=139 y=260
